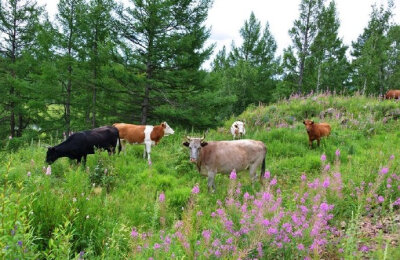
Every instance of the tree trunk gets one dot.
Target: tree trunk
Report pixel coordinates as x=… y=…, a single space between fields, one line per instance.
x=304 y=49
x=318 y=77
x=149 y=76
x=94 y=94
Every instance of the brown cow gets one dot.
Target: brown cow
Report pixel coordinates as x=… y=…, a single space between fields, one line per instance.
x=392 y=94
x=224 y=156
x=143 y=134
x=316 y=131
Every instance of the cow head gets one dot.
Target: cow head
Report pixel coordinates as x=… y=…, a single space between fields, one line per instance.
x=194 y=144
x=309 y=125
x=51 y=155
x=167 y=129
x=239 y=128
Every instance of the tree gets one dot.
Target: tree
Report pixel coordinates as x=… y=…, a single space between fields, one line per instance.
x=19 y=20
x=250 y=69
x=371 y=52
x=393 y=80
x=167 y=37
x=303 y=33
x=100 y=44
x=70 y=14
x=327 y=67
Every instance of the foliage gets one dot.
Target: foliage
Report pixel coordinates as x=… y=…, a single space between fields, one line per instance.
x=164 y=210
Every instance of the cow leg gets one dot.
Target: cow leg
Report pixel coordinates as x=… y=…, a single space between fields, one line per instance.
x=310 y=143
x=148 y=150
x=252 y=171
x=318 y=141
x=211 y=181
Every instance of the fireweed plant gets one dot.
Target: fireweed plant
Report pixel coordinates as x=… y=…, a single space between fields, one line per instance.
x=259 y=226
x=321 y=203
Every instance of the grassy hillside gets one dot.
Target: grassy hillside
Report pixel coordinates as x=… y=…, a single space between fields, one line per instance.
x=120 y=207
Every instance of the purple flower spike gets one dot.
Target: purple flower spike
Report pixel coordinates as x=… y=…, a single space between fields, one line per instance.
x=384 y=170
x=161 y=198
x=233 y=175
x=196 y=189
x=323 y=157
x=337 y=152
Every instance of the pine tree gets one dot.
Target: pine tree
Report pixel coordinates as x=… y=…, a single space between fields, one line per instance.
x=327 y=67
x=371 y=53
x=19 y=22
x=70 y=17
x=100 y=44
x=167 y=38
x=303 y=33
x=393 y=80
x=251 y=67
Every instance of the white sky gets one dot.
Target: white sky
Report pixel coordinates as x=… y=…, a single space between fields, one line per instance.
x=226 y=17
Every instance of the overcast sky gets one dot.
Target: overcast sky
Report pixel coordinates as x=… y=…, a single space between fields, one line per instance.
x=226 y=17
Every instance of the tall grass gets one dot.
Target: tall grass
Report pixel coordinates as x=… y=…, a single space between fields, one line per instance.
x=313 y=203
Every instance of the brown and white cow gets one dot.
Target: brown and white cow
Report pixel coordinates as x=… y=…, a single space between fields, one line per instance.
x=238 y=130
x=392 y=94
x=143 y=134
x=224 y=156
x=315 y=131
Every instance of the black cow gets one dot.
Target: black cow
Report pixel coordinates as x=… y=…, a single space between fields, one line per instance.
x=80 y=144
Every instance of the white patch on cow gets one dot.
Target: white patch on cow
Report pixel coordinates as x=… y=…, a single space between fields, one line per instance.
x=168 y=130
x=238 y=129
x=147 y=141
x=147 y=132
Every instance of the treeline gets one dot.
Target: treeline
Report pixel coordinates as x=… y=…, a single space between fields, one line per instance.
x=100 y=62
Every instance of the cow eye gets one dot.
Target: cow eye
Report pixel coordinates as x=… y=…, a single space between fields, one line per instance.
x=236 y=126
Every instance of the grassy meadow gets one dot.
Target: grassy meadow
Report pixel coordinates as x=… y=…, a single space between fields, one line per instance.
x=339 y=200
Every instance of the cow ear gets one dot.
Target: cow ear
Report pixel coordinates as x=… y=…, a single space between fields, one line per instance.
x=203 y=144
x=185 y=143
x=163 y=125
x=304 y=122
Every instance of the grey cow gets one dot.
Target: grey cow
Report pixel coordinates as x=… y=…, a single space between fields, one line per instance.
x=224 y=156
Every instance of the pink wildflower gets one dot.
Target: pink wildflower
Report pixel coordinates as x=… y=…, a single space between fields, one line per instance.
x=392 y=157
x=161 y=198
x=273 y=181
x=384 y=170
x=303 y=177
x=48 y=170
x=326 y=182
x=233 y=175
x=267 y=174
x=199 y=213
x=381 y=199
x=397 y=202
x=323 y=157
x=134 y=233
x=196 y=189
x=337 y=152
x=327 y=167
x=300 y=247
x=156 y=246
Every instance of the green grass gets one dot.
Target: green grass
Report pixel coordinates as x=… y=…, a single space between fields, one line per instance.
x=63 y=214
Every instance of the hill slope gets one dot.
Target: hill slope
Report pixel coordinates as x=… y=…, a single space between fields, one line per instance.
x=308 y=206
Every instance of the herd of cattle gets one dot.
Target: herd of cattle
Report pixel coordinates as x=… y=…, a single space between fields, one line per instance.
x=210 y=157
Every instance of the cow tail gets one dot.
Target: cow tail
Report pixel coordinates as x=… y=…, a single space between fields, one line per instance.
x=263 y=167
x=119 y=144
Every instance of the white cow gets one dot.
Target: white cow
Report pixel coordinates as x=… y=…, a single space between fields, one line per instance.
x=237 y=129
